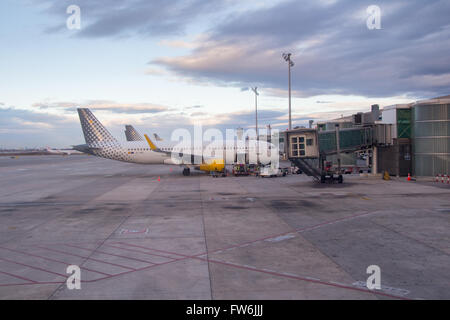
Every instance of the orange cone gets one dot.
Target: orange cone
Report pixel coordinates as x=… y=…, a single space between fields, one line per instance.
x=409 y=177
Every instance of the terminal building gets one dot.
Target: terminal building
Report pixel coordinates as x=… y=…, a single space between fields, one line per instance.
x=400 y=139
x=420 y=138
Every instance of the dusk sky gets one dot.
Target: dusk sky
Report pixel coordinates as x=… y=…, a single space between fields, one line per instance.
x=161 y=65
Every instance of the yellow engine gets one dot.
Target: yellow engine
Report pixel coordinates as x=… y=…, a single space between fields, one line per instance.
x=213 y=165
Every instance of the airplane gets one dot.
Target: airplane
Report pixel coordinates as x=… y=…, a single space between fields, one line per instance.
x=64 y=152
x=101 y=143
x=131 y=134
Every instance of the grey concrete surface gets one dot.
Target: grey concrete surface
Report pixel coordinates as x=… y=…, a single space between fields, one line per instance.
x=199 y=237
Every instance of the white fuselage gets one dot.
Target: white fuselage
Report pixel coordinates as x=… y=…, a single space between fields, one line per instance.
x=140 y=152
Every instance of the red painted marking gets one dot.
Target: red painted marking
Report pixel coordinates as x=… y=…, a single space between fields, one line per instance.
x=144 y=268
x=18 y=277
x=28 y=284
x=282 y=275
x=111 y=254
x=87 y=258
x=33 y=267
x=148 y=253
x=293 y=231
x=305 y=279
x=233 y=265
x=152 y=249
x=54 y=260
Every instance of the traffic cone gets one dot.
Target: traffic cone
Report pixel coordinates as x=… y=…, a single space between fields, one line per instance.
x=409 y=177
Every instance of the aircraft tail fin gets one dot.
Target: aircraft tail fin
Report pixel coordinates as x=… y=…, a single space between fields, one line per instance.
x=131 y=134
x=93 y=130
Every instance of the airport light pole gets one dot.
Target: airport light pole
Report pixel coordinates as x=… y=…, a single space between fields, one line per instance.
x=255 y=90
x=287 y=57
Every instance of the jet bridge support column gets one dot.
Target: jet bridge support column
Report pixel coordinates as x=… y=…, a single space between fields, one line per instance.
x=374 y=160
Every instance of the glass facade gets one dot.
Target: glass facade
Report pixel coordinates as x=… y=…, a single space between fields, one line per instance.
x=431 y=133
x=404 y=123
x=348 y=139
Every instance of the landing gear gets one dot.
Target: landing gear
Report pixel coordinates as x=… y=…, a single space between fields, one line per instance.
x=186 y=172
x=331 y=178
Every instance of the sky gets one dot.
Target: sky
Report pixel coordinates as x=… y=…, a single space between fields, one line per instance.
x=161 y=65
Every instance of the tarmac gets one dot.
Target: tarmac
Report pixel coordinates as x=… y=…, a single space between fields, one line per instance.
x=135 y=236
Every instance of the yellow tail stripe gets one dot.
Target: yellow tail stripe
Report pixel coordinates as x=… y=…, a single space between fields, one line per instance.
x=150 y=143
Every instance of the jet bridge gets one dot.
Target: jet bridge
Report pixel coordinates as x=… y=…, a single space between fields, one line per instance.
x=308 y=149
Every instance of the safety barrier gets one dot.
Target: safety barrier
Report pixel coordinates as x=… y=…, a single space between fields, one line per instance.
x=443 y=178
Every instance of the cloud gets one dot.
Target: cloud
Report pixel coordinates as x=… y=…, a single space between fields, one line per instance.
x=135 y=108
x=53 y=124
x=155 y=72
x=104 y=105
x=194 y=107
x=105 y=18
x=236 y=43
x=333 y=51
x=28 y=128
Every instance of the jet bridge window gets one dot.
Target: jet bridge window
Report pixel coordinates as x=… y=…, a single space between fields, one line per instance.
x=298 y=146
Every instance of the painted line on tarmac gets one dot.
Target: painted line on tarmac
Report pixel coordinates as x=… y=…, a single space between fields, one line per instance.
x=276 y=273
